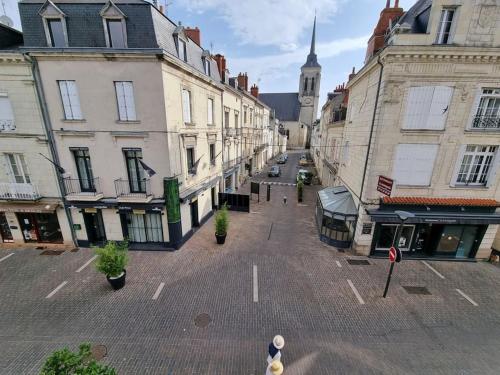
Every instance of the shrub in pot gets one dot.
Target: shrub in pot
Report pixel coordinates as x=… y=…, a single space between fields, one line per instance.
x=111 y=261
x=221 y=225
x=300 y=190
x=66 y=362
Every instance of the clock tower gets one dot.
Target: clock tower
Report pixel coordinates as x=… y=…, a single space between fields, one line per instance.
x=310 y=78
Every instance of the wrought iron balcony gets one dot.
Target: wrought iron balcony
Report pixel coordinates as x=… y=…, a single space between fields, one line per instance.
x=486 y=122
x=83 y=189
x=19 y=191
x=133 y=190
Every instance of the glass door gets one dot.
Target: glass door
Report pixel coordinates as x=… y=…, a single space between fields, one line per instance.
x=450 y=239
x=467 y=242
x=84 y=169
x=5 y=229
x=135 y=171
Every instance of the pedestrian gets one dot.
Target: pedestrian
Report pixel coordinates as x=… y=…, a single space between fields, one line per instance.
x=284 y=200
x=275 y=368
x=275 y=349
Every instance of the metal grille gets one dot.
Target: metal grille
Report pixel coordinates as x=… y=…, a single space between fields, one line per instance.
x=358 y=262
x=419 y=290
x=52 y=252
x=202 y=320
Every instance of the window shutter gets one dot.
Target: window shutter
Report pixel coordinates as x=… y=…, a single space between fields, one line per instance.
x=63 y=88
x=417 y=107
x=475 y=107
x=458 y=163
x=186 y=106
x=440 y=107
x=120 y=97
x=414 y=164
x=128 y=90
x=6 y=114
x=210 y=114
x=74 y=100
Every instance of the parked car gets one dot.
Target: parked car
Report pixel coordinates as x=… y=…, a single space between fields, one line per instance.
x=285 y=156
x=303 y=160
x=275 y=171
x=305 y=176
x=281 y=159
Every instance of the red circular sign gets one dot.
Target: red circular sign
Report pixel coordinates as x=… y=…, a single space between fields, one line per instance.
x=392 y=254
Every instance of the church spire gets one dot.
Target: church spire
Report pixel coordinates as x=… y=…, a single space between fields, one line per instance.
x=312 y=59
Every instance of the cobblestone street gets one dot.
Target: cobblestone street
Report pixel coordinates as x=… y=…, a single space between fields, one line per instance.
x=330 y=312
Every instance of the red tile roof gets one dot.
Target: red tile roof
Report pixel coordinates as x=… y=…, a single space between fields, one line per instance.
x=423 y=201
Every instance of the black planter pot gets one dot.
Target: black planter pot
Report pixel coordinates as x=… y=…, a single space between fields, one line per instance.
x=221 y=238
x=117 y=283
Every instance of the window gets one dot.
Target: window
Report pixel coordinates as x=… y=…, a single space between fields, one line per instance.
x=135 y=172
x=345 y=155
x=186 y=106
x=226 y=119
x=116 y=33
x=56 y=32
x=212 y=153
x=414 y=163
x=70 y=100
x=387 y=235
x=6 y=114
x=312 y=84
x=18 y=169
x=305 y=84
x=445 y=24
x=182 y=49
x=427 y=107
x=84 y=169
x=125 y=99
x=210 y=111
x=190 y=160
x=488 y=110
x=245 y=116
x=476 y=164
x=206 y=65
x=144 y=227
x=236 y=115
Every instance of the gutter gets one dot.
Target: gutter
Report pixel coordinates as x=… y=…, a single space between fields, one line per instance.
x=48 y=128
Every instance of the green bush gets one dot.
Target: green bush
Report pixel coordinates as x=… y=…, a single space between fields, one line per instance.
x=112 y=258
x=221 y=221
x=300 y=190
x=66 y=362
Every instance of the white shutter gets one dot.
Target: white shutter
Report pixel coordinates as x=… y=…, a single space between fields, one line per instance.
x=128 y=91
x=186 y=106
x=440 y=107
x=120 y=97
x=475 y=107
x=6 y=113
x=74 y=100
x=417 y=107
x=414 y=163
x=63 y=88
x=210 y=113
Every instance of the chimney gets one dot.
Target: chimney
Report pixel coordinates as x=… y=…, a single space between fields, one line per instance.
x=254 y=90
x=221 y=66
x=161 y=9
x=353 y=74
x=377 y=41
x=243 y=81
x=193 y=34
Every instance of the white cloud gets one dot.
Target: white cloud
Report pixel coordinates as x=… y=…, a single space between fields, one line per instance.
x=268 y=22
x=273 y=67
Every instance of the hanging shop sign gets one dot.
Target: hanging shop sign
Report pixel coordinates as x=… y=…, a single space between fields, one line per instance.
x=385 y=185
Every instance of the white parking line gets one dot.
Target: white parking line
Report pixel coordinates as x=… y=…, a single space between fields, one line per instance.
x=432 y=269
x=158 y=291
x=87 y=263
x=5 y=257
x=338 y=264
x=356 y=293
x=255 y=285
x=56 y=289
x=466 y=297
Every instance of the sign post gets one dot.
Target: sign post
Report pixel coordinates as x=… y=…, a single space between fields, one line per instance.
x=394 y=256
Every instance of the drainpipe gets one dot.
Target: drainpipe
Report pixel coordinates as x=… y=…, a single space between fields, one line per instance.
x=369 y=145
x=223 y=180
x=48 y=129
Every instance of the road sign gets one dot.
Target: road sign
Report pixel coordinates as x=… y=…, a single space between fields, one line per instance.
x=392 y=254
x=385 y=185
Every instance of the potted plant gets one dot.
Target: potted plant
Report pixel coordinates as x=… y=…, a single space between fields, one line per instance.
x=300 y=190
x=111 y=261
x=221 y=225
x=66 y=362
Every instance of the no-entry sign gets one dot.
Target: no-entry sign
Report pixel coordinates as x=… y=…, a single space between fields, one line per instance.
x=394 y=255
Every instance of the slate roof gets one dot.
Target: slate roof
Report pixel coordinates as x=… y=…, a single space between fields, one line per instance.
x=423 y=201
x=286 y=105
x=10 y=37
x=417 y=16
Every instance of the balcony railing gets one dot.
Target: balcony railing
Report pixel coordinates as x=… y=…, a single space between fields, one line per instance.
x=19 y=191
x=132 y=189
x=83 y=189
x=486 y=122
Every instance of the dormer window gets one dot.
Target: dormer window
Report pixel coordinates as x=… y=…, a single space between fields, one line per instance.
x=206 y=64
x=182 y=50
x=445 y=25
x=54 y=23
x=115 y=27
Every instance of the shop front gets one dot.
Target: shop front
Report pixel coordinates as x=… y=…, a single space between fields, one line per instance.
x=442 y=231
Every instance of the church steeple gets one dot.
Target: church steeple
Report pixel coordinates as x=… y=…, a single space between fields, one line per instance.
x=312 y=59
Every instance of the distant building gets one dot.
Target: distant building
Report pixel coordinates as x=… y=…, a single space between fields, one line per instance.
x=297 y=111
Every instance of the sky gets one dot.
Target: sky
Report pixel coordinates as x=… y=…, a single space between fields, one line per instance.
x=270 y=39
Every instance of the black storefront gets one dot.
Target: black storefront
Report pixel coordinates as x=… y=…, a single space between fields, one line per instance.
x=435 y=231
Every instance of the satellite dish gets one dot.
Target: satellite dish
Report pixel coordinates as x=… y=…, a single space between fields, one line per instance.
x=6 y=21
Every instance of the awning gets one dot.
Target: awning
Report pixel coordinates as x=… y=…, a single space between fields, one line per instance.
x=32 y=207
x=195 y=190
x=337 y=203
x=443 y=217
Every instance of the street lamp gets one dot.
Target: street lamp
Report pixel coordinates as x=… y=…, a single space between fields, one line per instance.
x=403 y=216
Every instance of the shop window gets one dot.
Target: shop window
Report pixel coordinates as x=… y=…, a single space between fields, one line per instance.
x=40 y=227
x=387 y=233
x=144 y=228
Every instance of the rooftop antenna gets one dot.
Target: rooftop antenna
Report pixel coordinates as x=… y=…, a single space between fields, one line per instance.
x=211 y=48
x=167 y=5
x=4 y=19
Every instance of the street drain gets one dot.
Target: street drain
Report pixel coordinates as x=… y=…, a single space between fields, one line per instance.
x=75 y=250
x=52 y=252
x=98 y=352
x=358 y=262
x=420 y=290
x=202 y=320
